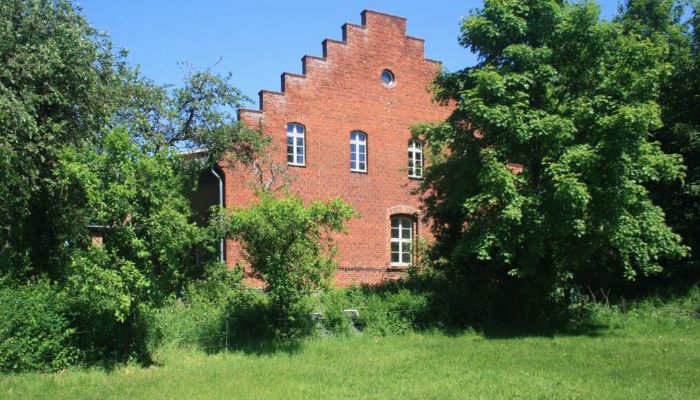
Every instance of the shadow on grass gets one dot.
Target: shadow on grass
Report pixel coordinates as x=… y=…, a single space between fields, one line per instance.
x=249 y=325
x=267 y=346
x=260 y=329
x=109 y=345
x=496 y=313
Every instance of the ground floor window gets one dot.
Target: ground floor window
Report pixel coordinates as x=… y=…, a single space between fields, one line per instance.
x=401 y=241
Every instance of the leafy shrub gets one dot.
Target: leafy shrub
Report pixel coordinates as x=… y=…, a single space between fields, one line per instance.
x=255 y=321
x=220 y=312
x=35 y=332
x=219 y=285
x=136 y=195
x=289 y=246
x=331 y=305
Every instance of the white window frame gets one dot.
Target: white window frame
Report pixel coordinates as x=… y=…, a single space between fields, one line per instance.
x=296 y=132
x=355 y=143
x=415 y=159
x=404 y=244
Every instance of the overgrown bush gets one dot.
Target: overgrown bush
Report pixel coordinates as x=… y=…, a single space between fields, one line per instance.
x=383 y=310
x=134 y=193
x=196 y=324
x=35 y=332
x=198 y=317
x=86 y=140
x=289 y=246
x=654 y=314
x=255 y=323
x=220 y=312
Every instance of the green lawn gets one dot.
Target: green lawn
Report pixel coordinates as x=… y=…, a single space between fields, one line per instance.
x=662 y=363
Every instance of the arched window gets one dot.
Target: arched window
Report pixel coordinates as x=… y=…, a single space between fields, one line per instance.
x=296 y=144
x=358 y=151
x=415 y=158
x=401 y=241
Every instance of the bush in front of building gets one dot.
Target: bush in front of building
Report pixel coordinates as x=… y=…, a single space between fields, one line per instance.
x=289 y=246
x=35 y=332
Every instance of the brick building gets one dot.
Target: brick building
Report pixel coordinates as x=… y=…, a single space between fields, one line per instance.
x=343 y=129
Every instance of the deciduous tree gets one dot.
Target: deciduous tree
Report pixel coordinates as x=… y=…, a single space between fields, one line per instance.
x=573 y=100
x=63 y=84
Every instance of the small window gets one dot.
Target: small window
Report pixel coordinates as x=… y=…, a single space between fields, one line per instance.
x=358 y=152
x=415 y=158
x=401 y=241
x=295 y=144
x=388 y=78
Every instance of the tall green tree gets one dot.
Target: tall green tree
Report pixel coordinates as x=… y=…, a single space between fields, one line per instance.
x=573 y=100
x=135 y=197
x=677 y=23
x=86 y=140
x=63 y=84
x=58 y=86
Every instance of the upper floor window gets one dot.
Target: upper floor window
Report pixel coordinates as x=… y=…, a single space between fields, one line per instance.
x=401 y=241
x=358 y=151
x=296 y=144
x=415 y=158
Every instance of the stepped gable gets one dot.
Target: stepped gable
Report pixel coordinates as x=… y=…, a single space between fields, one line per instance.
x=378 y=31
x=374 y=80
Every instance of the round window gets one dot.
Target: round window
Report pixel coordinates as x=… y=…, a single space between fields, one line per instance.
x=387 y=78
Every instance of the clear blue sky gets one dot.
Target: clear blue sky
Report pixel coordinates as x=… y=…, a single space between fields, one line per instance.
x=258 y=40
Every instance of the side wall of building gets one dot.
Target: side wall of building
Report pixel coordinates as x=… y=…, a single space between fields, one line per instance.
x=340 y=93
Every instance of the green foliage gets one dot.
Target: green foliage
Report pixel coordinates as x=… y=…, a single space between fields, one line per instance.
x=289 y=245
x=219 y=313
x=573 y=99
x=63 y=85
x=138 y=200
x=85 y=140
x=202 y=114
x=654 y=314
x=680 y=110
x=59 y=82
x=382 y=310
x=34 y=328
x=180 y=324
x=199 y=318
x=101 y=283
x=198 y=115
x=645 y=358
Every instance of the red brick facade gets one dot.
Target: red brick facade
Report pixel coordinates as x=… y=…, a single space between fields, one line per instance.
x=337 y=94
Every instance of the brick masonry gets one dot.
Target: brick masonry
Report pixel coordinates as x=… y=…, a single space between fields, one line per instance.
x=343 y=92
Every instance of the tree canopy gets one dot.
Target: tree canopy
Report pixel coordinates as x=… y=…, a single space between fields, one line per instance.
x=574 y=100
x=86 y=142
x=63 y=84
x=679 y=25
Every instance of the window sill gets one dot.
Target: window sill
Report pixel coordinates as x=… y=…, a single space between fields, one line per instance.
x=357 y=171
x=415 y=178
x=296 y=165
x=398 y=267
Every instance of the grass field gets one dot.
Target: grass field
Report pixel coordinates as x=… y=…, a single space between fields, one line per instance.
x=656 y=359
